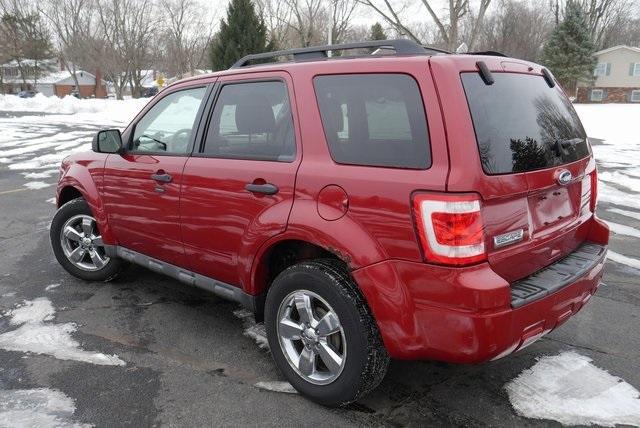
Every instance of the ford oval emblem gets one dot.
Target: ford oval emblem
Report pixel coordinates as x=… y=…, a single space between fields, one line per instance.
x=564 y=177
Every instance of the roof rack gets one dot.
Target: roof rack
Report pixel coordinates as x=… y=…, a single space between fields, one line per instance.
x=401 y=47
x=487 y=53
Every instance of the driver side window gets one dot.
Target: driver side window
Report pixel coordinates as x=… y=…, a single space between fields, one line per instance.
x=167 y=127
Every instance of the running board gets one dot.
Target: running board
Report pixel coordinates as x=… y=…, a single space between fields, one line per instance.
x=219 y=288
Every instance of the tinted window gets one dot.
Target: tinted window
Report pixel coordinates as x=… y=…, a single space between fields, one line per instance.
x=252 y=121
x=374 y=119
x=522 y=124
x=168 y=125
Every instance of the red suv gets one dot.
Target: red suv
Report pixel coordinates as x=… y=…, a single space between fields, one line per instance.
x=415 y=205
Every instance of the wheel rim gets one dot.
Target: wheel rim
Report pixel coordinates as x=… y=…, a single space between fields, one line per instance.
x=82 y=244
x=311 y=337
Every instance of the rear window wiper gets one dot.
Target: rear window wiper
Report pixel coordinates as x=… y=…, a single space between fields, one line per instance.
x=562 y=145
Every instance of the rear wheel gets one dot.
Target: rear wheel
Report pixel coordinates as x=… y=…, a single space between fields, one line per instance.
x=321 y=334
x=77 y=243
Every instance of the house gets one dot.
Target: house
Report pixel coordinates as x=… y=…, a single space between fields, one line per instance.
x=616 y=77
x=12 y=79
x=52 y=79
x=62 y=84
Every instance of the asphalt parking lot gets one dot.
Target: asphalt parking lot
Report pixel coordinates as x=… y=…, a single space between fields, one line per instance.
x=188 y=358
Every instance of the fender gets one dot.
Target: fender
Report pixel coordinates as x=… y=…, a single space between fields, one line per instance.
x=82 y=176
x=306 y=225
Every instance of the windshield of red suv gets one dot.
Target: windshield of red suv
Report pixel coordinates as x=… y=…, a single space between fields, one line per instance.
x=522 y=124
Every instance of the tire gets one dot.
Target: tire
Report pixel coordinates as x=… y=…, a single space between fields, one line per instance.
x=364 y=359
x=92 y=263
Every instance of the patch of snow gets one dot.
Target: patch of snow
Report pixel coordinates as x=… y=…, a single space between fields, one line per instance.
x=276 y=386
x=621 y=178
x=39 y=337
x=35 y=185
x=621 y=229
x=41 y=407
x=614 y=123
x=253 y=330
x=622 y=259
x=32 y=311
x=612 y=195
x=569 y=389
x=51 y=200
x=52 y=286
x=630 y=214
x=67 y=105
x=44 y=174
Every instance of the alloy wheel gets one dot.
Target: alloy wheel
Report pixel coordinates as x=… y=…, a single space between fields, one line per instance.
x=311 y=337
x=82 y=244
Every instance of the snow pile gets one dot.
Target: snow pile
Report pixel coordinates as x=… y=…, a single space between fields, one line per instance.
x=615 y=123
x=70 y=105
x=39 y=337
x=40 y=407
x=276 y=386
x=252 y=329
x=568 y=388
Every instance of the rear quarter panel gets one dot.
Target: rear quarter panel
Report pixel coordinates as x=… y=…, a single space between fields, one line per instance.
x=378 y=223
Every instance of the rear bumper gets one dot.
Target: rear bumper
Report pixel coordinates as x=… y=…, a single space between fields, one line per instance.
x=468 y=315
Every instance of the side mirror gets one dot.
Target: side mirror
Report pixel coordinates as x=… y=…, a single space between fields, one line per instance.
x=107 y=141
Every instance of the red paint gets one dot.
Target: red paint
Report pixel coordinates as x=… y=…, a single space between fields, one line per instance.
x=205 y=220
x=333 y=202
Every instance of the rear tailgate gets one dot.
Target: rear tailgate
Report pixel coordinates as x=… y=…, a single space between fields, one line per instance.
x=511 y=141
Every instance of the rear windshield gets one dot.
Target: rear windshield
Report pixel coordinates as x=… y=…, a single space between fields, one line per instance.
x=374 y=120
x=522 y=124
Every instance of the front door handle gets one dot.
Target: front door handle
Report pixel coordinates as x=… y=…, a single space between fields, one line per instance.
x=161 y=177
x=266 y=189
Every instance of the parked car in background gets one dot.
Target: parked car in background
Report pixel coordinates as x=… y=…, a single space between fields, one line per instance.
x=27 y=94
x=444 y=207
x=149 y=92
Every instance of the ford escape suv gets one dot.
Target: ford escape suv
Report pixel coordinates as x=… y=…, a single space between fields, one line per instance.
x=414 y=205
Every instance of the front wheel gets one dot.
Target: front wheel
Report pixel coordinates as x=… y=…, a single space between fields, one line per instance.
x=321 y=334
x=77 y=243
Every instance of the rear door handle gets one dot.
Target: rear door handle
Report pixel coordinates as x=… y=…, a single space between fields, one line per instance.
x=266 y=189
x=161 y=177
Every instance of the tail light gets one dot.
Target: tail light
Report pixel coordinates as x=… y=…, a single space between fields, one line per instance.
x=594 y=190
x=450 y=228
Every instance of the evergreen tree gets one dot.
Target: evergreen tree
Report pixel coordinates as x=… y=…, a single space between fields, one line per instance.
x=569 y=51
x=241 y=34
x=377 y=32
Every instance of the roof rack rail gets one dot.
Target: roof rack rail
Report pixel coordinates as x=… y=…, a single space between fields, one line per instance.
x=487 y=53
x=401 y=46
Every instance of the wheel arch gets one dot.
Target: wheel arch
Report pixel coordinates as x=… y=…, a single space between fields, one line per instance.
x=78 y=182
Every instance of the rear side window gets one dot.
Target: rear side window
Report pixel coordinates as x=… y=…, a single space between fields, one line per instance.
x=374 y=120
x=252 y=121
x=522 y=124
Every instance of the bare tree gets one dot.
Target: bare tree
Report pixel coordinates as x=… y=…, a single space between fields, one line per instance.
x=123 y=44
x=448 y=25
x=276 y=15
x=517 y=29
x=306 y=22
x=71 y=21
x=186 y=42
x=341 y=12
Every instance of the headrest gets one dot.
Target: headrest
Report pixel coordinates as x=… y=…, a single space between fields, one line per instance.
x=254 y=115
x=332 y=114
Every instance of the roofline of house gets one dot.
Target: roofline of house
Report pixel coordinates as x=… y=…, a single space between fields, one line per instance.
x=615 y=48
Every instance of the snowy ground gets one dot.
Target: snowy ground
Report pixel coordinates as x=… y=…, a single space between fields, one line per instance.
x=144 y=350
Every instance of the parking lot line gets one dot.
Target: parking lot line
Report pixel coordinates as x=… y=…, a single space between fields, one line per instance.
x=5 y=192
